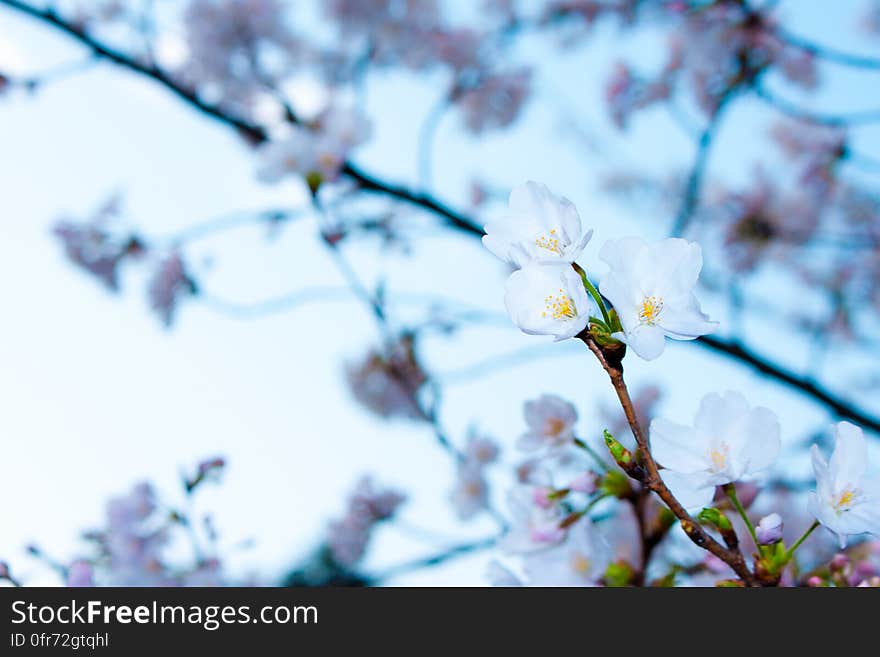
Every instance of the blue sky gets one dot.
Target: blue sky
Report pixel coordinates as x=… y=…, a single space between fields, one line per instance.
x=94 y=395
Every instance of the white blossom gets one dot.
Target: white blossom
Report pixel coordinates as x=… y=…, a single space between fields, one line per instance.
x=538 y=228
x=728 y=441
x=551 y=422
x=845 y=500
x=547 y=300
x=318 y=148
x=293 y=155
x=651 y=286
x=532 y=526
x=581 y=560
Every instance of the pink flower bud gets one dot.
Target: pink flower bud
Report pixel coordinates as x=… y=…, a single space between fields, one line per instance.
x=815 y=581
x=838 y=563
x=769 y=529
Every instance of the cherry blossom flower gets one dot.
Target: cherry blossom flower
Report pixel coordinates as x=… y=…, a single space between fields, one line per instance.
x=538 y=228
x=651 y=286
x=471 y=492
x=317 y=149
x=845 y=501
x=387 y=381
x=769 y=529
x=548 y=300
x=293 y=155
x=533 y=526
x=496 y=101
x=728 y=441
x=236 y=48
x=169 y=284
x=551 y=422
x=580 y=560
x=368 y=505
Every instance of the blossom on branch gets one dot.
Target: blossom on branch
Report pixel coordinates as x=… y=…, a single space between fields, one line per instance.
x=728 y=441
x=315 y=151
x=548 y=300
x=538 y=228
x=368 y=505
x=581 y=560
x=845 y=500
x=651 y=287
x=551 y=422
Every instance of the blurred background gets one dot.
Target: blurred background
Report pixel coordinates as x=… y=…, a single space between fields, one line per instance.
x=646 y=115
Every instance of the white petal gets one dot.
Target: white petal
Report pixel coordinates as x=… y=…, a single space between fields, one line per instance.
x=647 y=341
x=763 y=442
x=689 y=490
x=850 y=458
x=677 y=447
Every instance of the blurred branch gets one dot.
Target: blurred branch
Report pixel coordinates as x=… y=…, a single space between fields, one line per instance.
x=252 y=131
x=810 y=116
x=838 y=406
x=459 y=221
x=827 y=53
x=694 y=183
x=433 y=560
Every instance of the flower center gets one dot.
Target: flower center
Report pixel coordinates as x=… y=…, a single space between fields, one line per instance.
x=719 y=457
x=580 y=564
x=551 y=243
x=559 y=306
x=554 y=426
x=650 y=309
x=845 y=500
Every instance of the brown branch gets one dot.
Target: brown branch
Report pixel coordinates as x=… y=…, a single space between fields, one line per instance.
x=838 y=406
x=652 y=480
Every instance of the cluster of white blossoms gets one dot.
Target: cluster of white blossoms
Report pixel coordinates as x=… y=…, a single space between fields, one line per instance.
x=729 y=442
x=555 y=545
x=650 y=286
x=315 y=151
x=646 y=296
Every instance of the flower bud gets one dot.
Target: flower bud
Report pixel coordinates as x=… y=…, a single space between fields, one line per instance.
x=838 y=563
x=722 y=523
x=815 y=582
x=769 y=529
x=623 y=457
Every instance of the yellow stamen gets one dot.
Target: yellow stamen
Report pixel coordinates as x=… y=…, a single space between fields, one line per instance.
x=845 y=500
x=554 y=426
x=560 y=306
x=551 y=243
x=650 y=310
x=719 y=457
